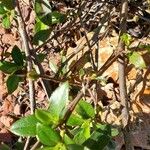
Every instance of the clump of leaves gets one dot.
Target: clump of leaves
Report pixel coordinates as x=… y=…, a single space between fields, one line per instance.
x=82 y=131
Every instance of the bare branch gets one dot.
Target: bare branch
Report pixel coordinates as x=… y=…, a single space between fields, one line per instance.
x=24 y=37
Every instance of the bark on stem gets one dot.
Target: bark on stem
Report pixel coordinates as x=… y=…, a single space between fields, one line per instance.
x=24 y=37
x=122 y=78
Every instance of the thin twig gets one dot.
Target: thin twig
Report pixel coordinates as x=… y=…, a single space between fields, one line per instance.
x=24 y=37
x=122 y=78
x=72 y=105
x=36 y=145
x=26 y=147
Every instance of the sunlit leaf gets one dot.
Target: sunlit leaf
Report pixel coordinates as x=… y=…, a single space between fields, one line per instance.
x=114 y=132
x=74 y=120
x=44 y=116
x=6 y=21
x=85 y=109
x=59 y=146
x=137 y=60
x=59 y=100
x=25 y=126
x=68 y=140
x=83 y=134
x=126 y=38
x=47 y=135
x=43 y=11
x=39 y=25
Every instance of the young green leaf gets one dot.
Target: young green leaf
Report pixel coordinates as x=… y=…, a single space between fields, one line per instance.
x=126 y=38
x=39 y=25
x=44 y=116
x=137 y=60
x=12 y=83
x=59 y=100
x=114 y=132
x=83 y=134
x=57 y=17
x=85 y=109
x=25 y=126
x=8 y=67
x=6 y=21
x=47 y=135
x=33 y=75
x=75 y=120
x=43 y=11
x=67 y=140
x=41 y=36
x=17 y=56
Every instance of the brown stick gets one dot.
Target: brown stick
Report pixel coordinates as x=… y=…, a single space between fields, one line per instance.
x=122 y=78
x=25 y=41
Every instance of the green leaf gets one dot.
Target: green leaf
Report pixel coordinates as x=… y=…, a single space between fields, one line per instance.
x=110 y=146
x=137 y=60
x=53 y=66
x=85 y=109
x=104 y=128
x=4 y=147
x=75 y=147
x=17 y=56
x=41 y=36
x=59 y=100
x=33 y=75
x=83 y=134
x=47 y=135
x=6 y=21
x=75 y=120
x=2 y=10
x=114 y=132
x=25 y=126
x=57 y=17
x=145 y=47
x=18 y=145
x=39 y=25
x=126 y=38
x=12 y=83
x=97 y=141
x=59 y=146
x=9 y=4
x=43 y=11
x=44 y=116
x=40 y=57
x=67 y=140
x=8 y=67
